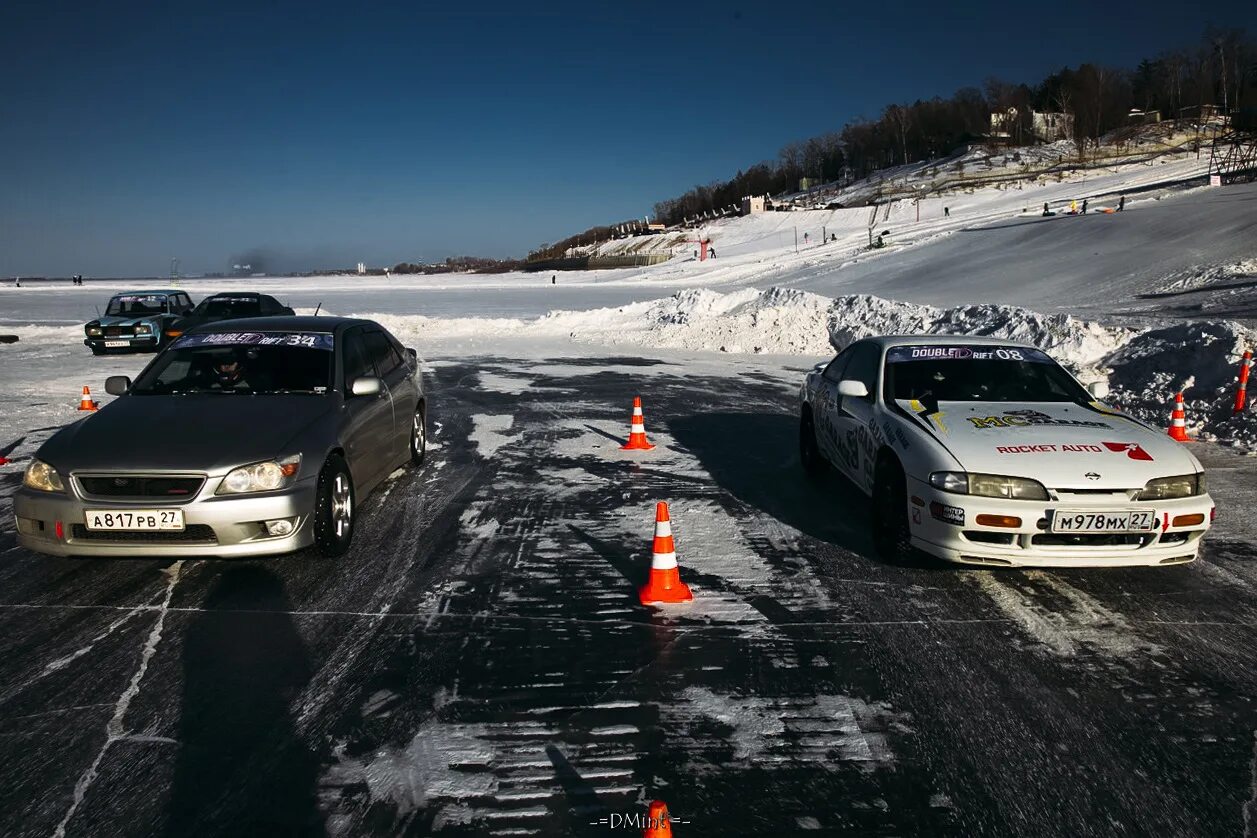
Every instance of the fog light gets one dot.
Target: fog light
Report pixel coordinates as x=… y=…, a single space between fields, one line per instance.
x=283 y=526
x=1189 y=520
x=1010 y=521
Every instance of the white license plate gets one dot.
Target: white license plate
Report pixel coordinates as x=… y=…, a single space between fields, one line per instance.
x=116 y=344
x=1103 y=520
x=138 y=520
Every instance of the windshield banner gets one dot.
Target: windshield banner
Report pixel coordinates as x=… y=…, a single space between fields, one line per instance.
x=139 y=298
x=300 y=340
x=902 y=354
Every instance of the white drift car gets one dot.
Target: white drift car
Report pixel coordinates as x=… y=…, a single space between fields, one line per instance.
x=987 y=452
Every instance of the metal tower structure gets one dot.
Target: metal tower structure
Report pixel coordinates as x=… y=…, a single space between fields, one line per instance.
x=1234 y=154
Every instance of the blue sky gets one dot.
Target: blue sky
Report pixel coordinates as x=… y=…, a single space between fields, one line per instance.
x=323 y=134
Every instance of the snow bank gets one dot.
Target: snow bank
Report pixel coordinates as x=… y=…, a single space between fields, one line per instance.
x=1199 y=359
x=1075 y=343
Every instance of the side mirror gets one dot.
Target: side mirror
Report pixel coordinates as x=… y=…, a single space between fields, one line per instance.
x=413 y=355
x=117 y=385
x=851 y=387
x=366 y=385
x=1098 y=389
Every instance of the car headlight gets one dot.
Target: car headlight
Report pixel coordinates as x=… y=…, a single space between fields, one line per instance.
x=950 y=481
x=144 y=329
x=42 y=477
x=94 y=331
x=1179 y=486
x=988 y=485
x=261 y=477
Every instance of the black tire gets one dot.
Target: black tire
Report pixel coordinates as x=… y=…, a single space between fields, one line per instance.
x=97 y=350
x=334 y=509
x=810 y=455
x=892 y=538
x=419 y=436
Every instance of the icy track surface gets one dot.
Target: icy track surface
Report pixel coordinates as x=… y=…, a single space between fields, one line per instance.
x=479 y=663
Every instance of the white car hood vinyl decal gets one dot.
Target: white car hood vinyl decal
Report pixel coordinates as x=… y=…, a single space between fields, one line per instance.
x=1062 y=445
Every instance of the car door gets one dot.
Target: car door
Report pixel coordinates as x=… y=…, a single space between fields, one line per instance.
x=396 y=376
x=368 y=426
x=854 y=416
x=825 y=407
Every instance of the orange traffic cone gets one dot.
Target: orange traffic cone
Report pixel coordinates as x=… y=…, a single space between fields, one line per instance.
x=1241 y=390
x=658 y=821
x=637 y=440
x=86 y=402
x=665 y=583
x=1178 y=420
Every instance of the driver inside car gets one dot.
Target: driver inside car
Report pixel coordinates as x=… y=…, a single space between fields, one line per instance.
x=237 y=371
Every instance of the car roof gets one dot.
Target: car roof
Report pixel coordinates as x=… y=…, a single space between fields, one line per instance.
x=150 y=293
x=303 y=323
x=887 y=341
x=235 y=294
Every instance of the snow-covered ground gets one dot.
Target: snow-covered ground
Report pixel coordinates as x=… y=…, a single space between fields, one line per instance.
x=1160 y=297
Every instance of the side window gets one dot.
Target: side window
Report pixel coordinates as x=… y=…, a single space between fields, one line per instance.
x=863 y=366
x=834 y=371
x=356 y=361
x=382 y=353
x=269 y=305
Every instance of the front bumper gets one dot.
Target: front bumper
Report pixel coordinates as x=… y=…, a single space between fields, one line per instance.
x=227 y=525
x=133 y=342
x=964 y=541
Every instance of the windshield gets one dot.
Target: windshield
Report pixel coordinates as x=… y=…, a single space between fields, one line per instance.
x=963 y=373
x=228 y=307
x=136 y=304
x=251 y=363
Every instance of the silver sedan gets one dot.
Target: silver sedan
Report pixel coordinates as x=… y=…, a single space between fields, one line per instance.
x=242 y=438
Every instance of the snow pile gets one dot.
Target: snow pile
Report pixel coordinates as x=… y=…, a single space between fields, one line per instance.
x=1201 y=276
x=1199 y=359
x=1075 y=343
x=791 y=322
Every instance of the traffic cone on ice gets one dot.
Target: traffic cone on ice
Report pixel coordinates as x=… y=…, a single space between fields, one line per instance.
x=86 y=402
x=1178 y=420
x=637 y=430
x=658 y=821
x=1241 y=391
x=665 y=583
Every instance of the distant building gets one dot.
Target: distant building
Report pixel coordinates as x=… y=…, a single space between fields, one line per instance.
x=1138 y=117
x=752 y=204
x=1048 y=127
x=1200 y=112
x=1003 y=123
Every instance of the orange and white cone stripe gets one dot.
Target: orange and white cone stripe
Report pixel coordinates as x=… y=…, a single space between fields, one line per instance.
x=86 y=402
x=664 y=584
x=1241 y=390
x=1178 y=420
x=637 y=440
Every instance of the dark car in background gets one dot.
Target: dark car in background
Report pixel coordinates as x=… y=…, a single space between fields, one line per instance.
x=136 y=320
x=234 y=305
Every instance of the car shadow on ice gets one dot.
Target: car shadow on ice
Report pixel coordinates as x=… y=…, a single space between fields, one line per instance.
x=244 y=664
x=754 y=457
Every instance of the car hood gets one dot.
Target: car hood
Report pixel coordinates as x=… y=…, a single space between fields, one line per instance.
x=209 y=432
x=124 y=320
x=1062 y=445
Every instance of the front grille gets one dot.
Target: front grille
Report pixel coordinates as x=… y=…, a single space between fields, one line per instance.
x=140 y=486
x=1092 y=540
x=119 y=331
x=192 y=534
